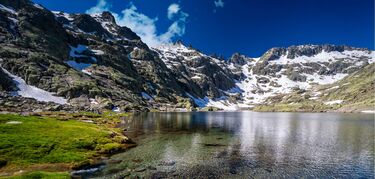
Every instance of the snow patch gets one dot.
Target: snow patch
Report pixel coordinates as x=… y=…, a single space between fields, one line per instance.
x=98 y=52
x=93 y=101
x=7 y=9
x=146 y=96
x=29 y=91
x=196 y=77
x=63 y=14
x=87 y=121
x=335 y=87
x=314 y=98
x=79 y=66
x=15 y=21
x=333 y=102
x=75 y=51
x=38 y=6
x=116 y=109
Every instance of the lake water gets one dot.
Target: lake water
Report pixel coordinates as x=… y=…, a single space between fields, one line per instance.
x=246 y=145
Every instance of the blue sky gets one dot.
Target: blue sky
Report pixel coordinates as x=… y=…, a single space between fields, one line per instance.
x=250 y=27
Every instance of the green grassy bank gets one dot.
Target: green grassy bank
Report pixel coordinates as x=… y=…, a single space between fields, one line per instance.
x=55 y=143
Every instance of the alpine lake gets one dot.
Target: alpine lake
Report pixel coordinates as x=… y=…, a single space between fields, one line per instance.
x=244 y=145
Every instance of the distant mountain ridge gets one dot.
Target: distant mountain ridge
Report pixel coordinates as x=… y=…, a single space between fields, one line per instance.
x=95 y=64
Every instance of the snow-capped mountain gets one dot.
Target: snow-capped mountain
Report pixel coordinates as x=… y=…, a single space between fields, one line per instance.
x=89 y=62
x=278 y=71
x=281 y=70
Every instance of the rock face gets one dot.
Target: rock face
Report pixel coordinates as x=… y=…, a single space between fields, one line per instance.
x=96 y=64
x=197 y=73
x=238 y=59
x=6 y=83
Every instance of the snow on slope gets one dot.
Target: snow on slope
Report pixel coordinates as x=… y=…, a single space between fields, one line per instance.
x=76 y=52
x=106 y=24
x=169 y=53
x=253 y=92
x=325 y=57
x=29 y=91
x=63 y=14
x=79 y=66
x=7 y=9
x=263 y=91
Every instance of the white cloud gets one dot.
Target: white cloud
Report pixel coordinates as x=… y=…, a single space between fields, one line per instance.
x=101 y=6
x=219 y=3
x=141 y=24
x=145 y=26
x=172 y=10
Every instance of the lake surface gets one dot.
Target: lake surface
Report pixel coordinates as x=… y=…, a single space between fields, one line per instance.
x=246 y=145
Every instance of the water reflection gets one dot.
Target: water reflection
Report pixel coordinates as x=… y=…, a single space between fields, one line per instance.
x=248 y=144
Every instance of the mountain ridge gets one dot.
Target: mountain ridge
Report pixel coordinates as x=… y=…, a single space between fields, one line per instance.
x=96 y=64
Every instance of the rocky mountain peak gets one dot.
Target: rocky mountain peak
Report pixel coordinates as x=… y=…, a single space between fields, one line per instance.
x=108 y=22
x=238 y=59
x=175 y=48
x=272 y=54
x=108 y=17
x=88 y=24
x=179 y=42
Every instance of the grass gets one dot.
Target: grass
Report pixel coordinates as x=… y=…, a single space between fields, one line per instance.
x=38 y=142
x=42 y=175
x=307 y=106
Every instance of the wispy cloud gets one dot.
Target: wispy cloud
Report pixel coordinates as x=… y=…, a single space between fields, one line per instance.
x=219 y=3
x=144 y=25
x=172 y=10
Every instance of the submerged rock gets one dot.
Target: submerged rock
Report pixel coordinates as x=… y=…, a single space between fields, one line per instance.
x=167 y=163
